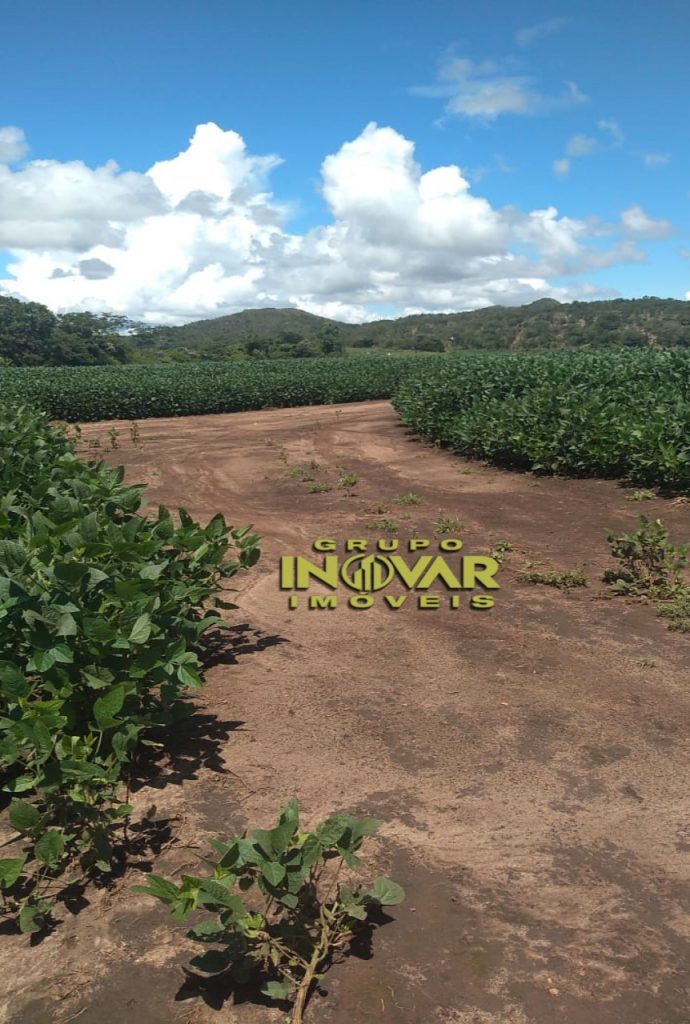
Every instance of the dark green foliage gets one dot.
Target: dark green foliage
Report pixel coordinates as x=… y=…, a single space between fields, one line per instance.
x=279 y=904
x=620 y=414
x=30 y=335
x=137 y=392
x=102 y=610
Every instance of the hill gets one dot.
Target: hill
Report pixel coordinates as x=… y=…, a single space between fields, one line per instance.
x=31 y=335
x=545 y=323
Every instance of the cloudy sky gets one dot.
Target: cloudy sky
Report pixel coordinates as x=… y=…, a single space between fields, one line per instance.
x=172 y=161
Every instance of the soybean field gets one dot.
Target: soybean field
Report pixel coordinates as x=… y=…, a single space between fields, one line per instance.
x=617 y=414
x=88 y=393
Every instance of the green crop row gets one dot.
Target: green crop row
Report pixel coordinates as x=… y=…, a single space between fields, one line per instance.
x=85 y=393
x=619 y=414
x=101 y=613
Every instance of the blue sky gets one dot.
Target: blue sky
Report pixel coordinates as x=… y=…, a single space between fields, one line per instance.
x=576 y=109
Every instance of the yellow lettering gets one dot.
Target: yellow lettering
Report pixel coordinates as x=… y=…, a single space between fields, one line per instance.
x=417 y=544
x=479 y=569
x=356 y=545
x=439 y=569
x=450 y=544
x=306 y=570
x=410 y=575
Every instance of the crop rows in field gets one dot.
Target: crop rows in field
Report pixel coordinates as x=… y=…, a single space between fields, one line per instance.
x=85 y=393
x=622 y=414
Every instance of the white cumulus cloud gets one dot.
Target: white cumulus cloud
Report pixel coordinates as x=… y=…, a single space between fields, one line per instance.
x=639 y=224
x=200 y=235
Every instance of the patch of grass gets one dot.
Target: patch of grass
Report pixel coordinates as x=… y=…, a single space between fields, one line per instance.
x=377 y=510
x=348 y=480
x=315 y=487
x=641 y=496
x=385 y=526
x=408 y=499
x=447 y=524
x=676 y=611
x=567 y=579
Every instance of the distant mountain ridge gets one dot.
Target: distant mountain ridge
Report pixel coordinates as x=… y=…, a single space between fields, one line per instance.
x=544 y=323
x=32 y=335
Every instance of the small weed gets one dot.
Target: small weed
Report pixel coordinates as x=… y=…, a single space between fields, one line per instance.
x=501 y=550
x=641 y=496
x=314 y=487
x=408 y=499
x=649 y=564
x=385 y=526
x=447 y=524
x=299 y=914
x=299 y=473
x=135 y=434
x=348 y=480
x=568 y=579
x=113 y=434
x=377 y=510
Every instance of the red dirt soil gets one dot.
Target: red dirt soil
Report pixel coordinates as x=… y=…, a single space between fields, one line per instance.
x=529 y=762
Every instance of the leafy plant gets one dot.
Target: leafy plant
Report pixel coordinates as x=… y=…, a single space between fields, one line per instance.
x=649 y=564
x=102 y=613
x=650 y=567
x=316 y=487
x=279 y=904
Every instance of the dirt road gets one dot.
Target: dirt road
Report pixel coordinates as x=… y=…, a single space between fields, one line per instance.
x=530 y=762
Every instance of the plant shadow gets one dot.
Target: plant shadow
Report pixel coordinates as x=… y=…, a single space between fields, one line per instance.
x=190 y=745
x=226 y=646
x=217 y=990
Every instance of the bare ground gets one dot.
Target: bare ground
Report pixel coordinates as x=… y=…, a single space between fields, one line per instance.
x=530 y=762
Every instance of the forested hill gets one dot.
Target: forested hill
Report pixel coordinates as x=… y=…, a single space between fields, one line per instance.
x=542 y=324
x=31 y=335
